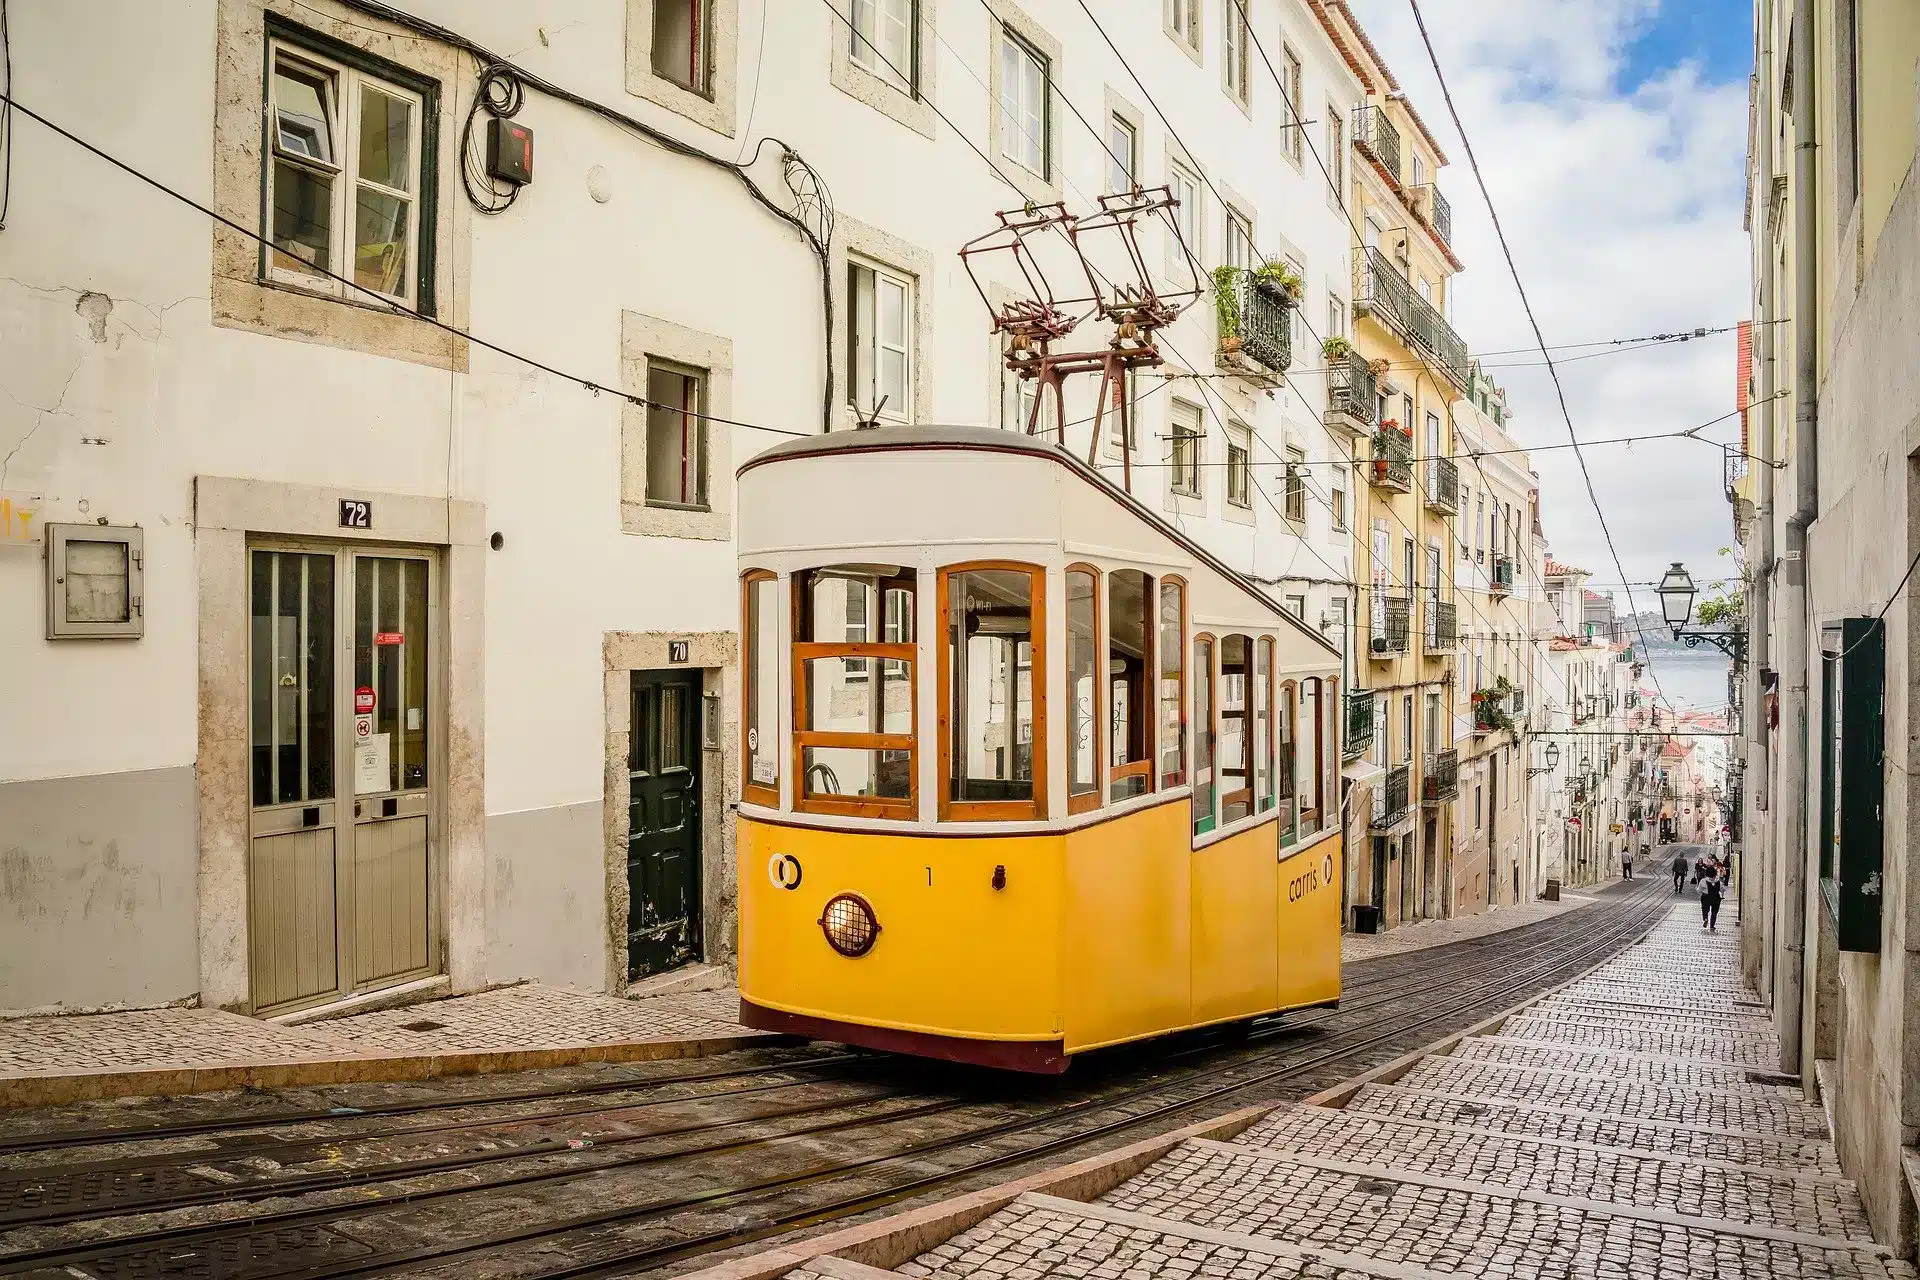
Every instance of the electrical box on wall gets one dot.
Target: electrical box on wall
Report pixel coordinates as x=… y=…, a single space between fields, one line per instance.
x=95 y=582
x=509 y=151
x=710 y=721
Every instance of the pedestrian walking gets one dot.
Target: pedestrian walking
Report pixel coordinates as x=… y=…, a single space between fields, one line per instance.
x=1679 y=872
x=1710 y=892
x=1626 y=866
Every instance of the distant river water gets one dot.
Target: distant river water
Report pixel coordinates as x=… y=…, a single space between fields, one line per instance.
x=1692 y=679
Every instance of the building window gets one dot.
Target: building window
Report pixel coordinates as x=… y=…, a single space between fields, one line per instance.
x=879 y=342
x=1186 y=195
x=1419 y=170
x=1239 y=240
x=1296 y=485
x=1297 y=316
x=682 y=43
x=1017 y=398
x=1239 y=467
x=344 y=178
x=1183 y=22
x=1023 y=105
x=1235 y=53
x=1290 y=90
x=1337 y=504
x=1129 y=393
x=1172 y=643
x=676 y=436
x=885 y=40
x=1336 y=155
x=1297 y=606
x=1123 y=153
x=1336 y=317
x=1183 y=454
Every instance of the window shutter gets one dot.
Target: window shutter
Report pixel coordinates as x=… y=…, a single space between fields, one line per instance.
x=1855 y=893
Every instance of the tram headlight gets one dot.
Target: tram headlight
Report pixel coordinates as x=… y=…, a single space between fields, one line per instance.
x=849 y=925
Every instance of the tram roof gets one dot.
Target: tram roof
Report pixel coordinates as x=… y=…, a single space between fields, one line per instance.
x=995 y=440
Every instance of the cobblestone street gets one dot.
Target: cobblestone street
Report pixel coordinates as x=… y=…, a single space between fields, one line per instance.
x=1627 y=1125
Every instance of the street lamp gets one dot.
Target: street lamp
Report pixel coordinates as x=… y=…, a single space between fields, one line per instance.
x=1553 y=760
x=1676 y=592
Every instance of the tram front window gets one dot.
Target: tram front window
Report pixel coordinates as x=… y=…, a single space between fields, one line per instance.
x=992 y=678
x=854 y=705
x=1129 y=631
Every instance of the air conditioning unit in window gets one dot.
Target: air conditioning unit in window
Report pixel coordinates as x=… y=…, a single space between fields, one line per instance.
x=1379 y=644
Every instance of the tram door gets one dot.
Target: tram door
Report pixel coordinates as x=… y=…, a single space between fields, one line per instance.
x=663 y=822
x=339 y=859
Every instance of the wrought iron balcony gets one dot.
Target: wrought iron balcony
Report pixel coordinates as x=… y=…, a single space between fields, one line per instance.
x=1390 y=797
x=1352 y=393
x=1443 y=486
x=1374 y=132
x=1392 y=460
x=1381 y=291
x=1500 y=578
x=1390 y=623
x=1441 y=217
x=1442 y=778
x=1359 y=735
x=1255 y=317
x=1517 y=703
x=1443 y=627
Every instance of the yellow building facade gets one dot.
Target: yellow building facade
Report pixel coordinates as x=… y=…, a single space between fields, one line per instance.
x=1409 y=366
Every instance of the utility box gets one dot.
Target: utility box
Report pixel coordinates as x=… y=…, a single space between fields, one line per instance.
x=1552 y=892
x=509 y=151
x=95 y=575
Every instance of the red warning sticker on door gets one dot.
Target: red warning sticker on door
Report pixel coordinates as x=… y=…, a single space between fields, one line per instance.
x=363 y=700
x=389 y=637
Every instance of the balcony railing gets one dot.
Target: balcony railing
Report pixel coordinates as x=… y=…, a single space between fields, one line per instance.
x=1352 y=390
x=1372 y=130
x=1492 y=709
x=1392 y=459
x=1390 y=623
x=1443 y=627
x=1255 y=317
x=1442 y=217
x=1500 y=580
x=1390 y=797
x=1442 y=780
x=1517 y=703
x=1380 y=290
x=1443 y=486
x=1359 y=736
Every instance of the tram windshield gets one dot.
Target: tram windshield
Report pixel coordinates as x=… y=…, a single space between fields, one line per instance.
x=990 y=639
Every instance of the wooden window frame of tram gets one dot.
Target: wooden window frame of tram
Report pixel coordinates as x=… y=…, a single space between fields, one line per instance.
x=1148 y=766
x=1300 y=811
x=752 y=792
x=1184 y=650
x=949 y=809
x=1214 y=806
x=1099 y=724
x=800 y=653
x=1244 y=795
x=1286 y=711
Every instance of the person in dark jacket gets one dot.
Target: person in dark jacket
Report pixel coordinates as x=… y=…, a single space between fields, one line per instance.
x=1710 y=894
x=1679 y=872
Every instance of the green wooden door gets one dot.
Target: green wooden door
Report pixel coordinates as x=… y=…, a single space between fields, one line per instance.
x=663 y=822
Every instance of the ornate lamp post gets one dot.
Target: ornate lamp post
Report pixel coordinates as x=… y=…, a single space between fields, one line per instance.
x=1676 y=593
x=1553 y=760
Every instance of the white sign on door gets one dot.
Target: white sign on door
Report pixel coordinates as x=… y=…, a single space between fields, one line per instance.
x=371 y=773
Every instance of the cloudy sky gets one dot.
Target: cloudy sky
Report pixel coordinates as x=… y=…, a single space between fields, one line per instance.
x=1611 y=134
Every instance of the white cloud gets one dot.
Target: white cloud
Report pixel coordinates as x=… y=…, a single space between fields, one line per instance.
x=1623 y=208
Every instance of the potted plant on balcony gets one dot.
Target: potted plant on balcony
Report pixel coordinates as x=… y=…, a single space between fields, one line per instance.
x=1335 y=349
x=1279 y=281
x=1226 y=307
x=1378 y=368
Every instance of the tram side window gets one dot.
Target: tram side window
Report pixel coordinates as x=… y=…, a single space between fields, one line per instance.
x=1173 y=683
x=993 y=681
x=855 y=734
x=1286 y=764
x=1263 y=724
x=1203 y=790
x=1330 y=749
x=1307 y=745
x=1129 y=651
x=1235 y=755
x=760 y=625
x=1083 y=690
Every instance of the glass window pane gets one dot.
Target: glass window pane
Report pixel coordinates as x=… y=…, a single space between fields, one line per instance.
x=386 y=139
x=1130 y=718
x=843 y=701
x=893 y=312
x=1173 y=710
x=990 y=647
x=680 y=42
x=1306 y=747
x=292 y=677
x=857 y=772
x=762 y=626
x=676 y=436
x=97 y=582
x=1083 y=690
x=1203 y=781
x=892 y=397
x=1263 y=725
x=1236 y=791
x=302 y=218
x=1284 y=765
x=380 y=241
x=303 y=123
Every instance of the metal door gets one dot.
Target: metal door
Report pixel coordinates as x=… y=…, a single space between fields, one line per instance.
x=392 y=803
x=339 y=865
x=663 y=822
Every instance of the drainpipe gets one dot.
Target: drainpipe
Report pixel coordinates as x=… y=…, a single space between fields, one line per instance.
x=1794 y=842
x=1761 y=852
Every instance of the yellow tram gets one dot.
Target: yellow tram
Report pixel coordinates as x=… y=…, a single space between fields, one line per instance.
x=1025 y=771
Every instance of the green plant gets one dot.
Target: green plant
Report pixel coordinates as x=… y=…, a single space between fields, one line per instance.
x=1723 y=607
x=1279 y=273
x=1336 y=348
x=1226 y=300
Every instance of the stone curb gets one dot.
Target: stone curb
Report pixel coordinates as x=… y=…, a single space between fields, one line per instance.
x=86 y=1086
x=902 y=1237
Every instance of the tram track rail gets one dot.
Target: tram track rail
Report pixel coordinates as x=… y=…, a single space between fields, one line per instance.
x=140 y=1184
x=1481 y=984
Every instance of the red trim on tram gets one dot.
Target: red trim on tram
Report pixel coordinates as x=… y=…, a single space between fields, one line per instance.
x=1036 y=1057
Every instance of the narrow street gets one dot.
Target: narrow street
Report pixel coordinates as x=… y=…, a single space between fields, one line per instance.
x=629 y=1170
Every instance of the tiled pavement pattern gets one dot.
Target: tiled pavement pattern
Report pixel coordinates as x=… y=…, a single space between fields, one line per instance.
x=1630 y=1126
x=520 y=1017
x=1422 y=934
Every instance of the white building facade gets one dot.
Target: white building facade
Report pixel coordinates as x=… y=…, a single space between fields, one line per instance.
x=368 y=536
